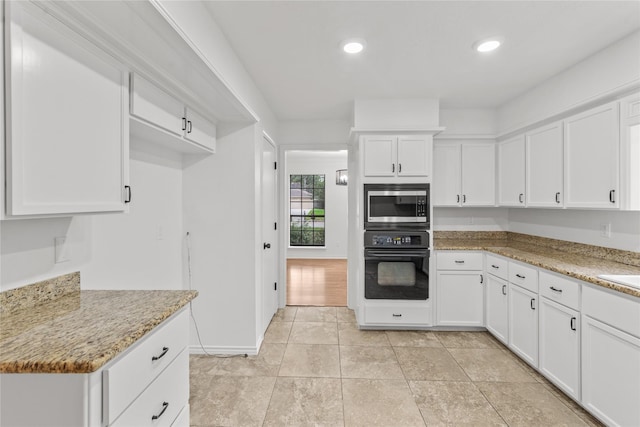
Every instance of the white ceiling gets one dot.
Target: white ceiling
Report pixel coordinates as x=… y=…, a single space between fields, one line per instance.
x=415 y=49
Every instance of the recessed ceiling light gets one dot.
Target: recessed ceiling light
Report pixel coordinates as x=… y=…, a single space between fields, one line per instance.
x=353 y=45
x=487 y=45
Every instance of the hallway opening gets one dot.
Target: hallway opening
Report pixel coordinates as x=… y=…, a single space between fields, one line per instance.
x=317 y=282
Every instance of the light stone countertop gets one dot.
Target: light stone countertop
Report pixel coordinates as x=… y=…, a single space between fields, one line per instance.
x=80 y=331
x=585 y=266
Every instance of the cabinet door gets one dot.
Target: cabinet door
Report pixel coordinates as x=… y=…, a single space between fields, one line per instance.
x=446 y=175
x=379 y=156
x=523 y=323
x=414 y=156
x=479 y=174
x=560 y=346
x=200 y=130
x=610 y=373
x=67 y=134
x=591 y=150
x=153 y=105
x=544 y=166
x=497 y=308
x=630 y=149
x=460 y=298
x=511 y=172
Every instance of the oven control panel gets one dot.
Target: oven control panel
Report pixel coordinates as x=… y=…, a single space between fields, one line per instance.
x=412 y=239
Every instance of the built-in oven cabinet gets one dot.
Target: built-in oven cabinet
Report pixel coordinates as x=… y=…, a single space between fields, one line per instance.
x=459 y=289
x=391 y=156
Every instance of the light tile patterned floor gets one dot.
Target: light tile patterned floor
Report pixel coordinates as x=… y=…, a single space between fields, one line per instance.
x=315 y=368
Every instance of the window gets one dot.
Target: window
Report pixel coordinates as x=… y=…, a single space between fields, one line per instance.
x=306 y=210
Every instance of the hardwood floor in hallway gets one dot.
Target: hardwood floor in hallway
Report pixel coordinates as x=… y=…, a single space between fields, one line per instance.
x=317 y=282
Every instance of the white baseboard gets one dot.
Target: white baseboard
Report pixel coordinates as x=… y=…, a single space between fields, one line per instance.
x=210 y=349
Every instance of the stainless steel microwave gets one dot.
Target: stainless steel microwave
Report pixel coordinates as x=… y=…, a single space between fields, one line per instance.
x=389 y=206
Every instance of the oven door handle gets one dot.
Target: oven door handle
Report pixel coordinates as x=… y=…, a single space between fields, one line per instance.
x=395 y=254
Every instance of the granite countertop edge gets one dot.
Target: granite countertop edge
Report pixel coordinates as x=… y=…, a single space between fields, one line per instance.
x=528 y=254
x=24 y=352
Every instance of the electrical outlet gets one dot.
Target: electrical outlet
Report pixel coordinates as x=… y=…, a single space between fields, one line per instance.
x=62 y=252
x=605 y=230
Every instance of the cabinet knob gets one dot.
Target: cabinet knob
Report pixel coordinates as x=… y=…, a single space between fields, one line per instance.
x=399 y=167
x=554 y=289
x=128 y=199
x=612 y=196
x=457 y=198
x=533 y=303
x=184 y=123
x=161 y=355
x=558 y=197
x=266 y=246
x=504 y=289
x=464 y=198
x=521 y=198
x=189 y=126
x=520 y=276
x=393 y=167
x=396 y=315
x=481 y=279
x=572 y=324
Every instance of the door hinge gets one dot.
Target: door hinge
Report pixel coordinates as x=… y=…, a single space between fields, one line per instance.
x=275 y=225
x=275 y=286
x=275 y=165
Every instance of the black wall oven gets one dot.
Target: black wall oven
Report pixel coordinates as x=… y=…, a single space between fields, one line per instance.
x=393 y=206
x=396 y=265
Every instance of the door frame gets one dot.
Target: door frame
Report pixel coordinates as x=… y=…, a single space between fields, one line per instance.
x=283 y=189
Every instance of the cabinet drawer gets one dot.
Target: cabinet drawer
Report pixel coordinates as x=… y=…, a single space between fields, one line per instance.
x=524 y=276
x=397 y=315
x=619 y=311
x=459 y=260
x=560 y=289
x=126 y=379
x=164 y=398
x=497 y=266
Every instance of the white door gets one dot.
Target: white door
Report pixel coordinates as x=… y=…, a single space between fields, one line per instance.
x=591 y=149
x=269 y=250
x=460 y=299
x=478 y=174
x=497 y=308
x=446 y=175
x=414 y=155
x=544 y=166
x=560 y=346
x=511 y=172
x=523 y=323
x=379 y=156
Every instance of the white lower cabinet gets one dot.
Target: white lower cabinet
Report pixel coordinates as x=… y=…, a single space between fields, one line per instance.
x=611 y=357
x=147 y=385
x=497 y=307
x=560 y=346
x=460 y=289
x=523 y=323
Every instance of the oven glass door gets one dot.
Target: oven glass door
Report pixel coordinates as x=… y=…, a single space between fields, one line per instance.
x=396 y=274
x=396 y=206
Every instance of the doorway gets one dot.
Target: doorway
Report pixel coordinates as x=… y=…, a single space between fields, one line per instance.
x=315 y=229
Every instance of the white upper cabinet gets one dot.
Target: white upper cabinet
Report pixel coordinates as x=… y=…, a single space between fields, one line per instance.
x=161 y=118
x=397 y=156
x=630 y=149
x=511 y=172
x=67 y=133
x=544 y=154
x=591 y=149
x=464 y=174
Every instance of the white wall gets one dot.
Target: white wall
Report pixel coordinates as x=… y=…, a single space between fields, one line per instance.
x=219 y=213
x=336 y=221
x=316 y=132
x=579 y=226
x=465 y=219
x=111 y=251
x=613 y=69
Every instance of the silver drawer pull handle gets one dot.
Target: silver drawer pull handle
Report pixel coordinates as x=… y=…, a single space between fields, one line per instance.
x=459 y=262
x=165 y=405
x=555 y=290
x=164 y=351
x=572 y=324
x=533 y=300
x=520 y=276
x=494 y=266
x=396 y=315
